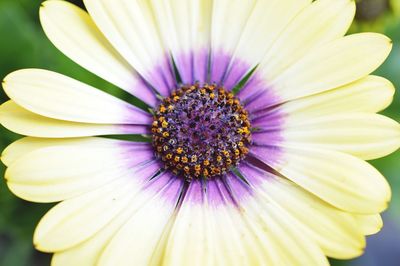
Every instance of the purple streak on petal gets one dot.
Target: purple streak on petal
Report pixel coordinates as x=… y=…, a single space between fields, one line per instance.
x=195 y=193
x=167 y=186
x=215 y=196
x=219 y=63
x=200 y=66
x=143 y=172
x=272 y=119
x=174 y=190
x=269 y=155
x=267 y=138
x=269 y=127
x=236 y=73
x=136 y=116
x=133 y=129
x=144 y=92
x=184 y=64
x=237 y=188
x=254 y=175
x=136 y=153
x=162 y=77
x=257 y=95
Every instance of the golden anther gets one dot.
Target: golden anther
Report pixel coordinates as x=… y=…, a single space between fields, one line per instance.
x=212 y=95
x=161 y=118
x=176 y=98
x=171 y=107
x=237 y=152
x=164 y=124
x=162 y=109
x=184 y=159
x=186 y=169
x=168 y=156
x=159 y=130
x=240 y=144
x=226 y=153
x=194 y=158
x=219 y=158
x=179 y=150
x=206 y=162
x=165 y=134
x=165 y=147
x=177 y=158
x=155 y=123
x=197 y=167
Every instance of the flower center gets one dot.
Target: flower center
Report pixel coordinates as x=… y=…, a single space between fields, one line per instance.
x=201 y=131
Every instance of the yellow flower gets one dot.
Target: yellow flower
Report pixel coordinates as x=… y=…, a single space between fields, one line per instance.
x=262 y=116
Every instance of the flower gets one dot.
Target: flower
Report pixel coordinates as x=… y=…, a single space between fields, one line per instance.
x=262 y=114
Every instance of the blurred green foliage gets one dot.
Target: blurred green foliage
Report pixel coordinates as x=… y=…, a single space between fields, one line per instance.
x=24 y=45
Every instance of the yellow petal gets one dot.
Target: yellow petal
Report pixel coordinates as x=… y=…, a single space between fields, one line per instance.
x=344 y=181
x=319 y=23
x=333 y=65
x=367 y=136
x=56 y=96
x=24 y=122
x=369 y=224
x=68 y=27
x=67 y=169
x=73 y=221
x=373 y=94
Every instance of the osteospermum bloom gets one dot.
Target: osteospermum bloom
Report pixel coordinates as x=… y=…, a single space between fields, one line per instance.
x=262 y=114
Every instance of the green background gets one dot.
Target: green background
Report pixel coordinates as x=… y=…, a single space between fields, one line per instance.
x=24 y=45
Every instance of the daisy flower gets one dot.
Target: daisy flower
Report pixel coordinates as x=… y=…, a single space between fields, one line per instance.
x=261 y=116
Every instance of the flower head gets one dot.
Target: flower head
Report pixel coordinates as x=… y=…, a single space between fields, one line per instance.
x=261 y=116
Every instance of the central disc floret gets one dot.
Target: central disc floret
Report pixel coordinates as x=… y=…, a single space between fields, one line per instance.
x=201 y=131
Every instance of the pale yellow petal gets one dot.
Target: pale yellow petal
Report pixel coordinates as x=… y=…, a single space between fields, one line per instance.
x=333 y=65
x=131 y=28
x=344 y=181
x=137 y=239
x=56 y=96
x=68 y=27
x=293 y=245
x=73 y=221
x=24 y=122
x=369 y=224
x=319 y=23
x=266 y=22
x=367 y=136
x=68 y=169
x=372 y=93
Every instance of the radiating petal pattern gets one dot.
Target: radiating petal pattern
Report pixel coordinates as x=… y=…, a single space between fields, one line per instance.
x=261 y=116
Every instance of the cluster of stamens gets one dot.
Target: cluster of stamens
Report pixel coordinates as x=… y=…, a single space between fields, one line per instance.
x=201 y=131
